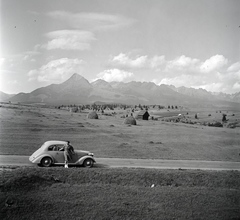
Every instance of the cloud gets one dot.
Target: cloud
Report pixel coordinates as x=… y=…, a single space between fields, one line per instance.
x=214 y=74
x=234 y=67
x=157 y=62
x=218 y=86
x=69 y=40
x=181 y=80
x=214 y=63
x=115 y=75
x=236 y=86
x=182 y=64
x=17 y=60
x=91 y=21
x=28 y=55
x=122 y=60
x=56 y=71
x=2 y=60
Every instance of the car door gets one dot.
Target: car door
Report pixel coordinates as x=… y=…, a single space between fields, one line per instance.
x=58 y=154
x=74 y=158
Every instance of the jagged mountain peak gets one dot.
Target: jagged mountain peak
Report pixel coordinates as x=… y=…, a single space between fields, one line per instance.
x=102 y=84
x=76 y=77
x=76 y=80
x=77 y=89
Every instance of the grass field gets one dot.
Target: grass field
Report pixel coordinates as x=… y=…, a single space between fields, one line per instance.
x=101 y=193
x=78 y=193
x=25 y=128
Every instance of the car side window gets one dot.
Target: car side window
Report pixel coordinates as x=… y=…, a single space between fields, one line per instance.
x=53 y=148
x=61 y=147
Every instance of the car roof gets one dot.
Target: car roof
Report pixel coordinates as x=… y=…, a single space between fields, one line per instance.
x=54 y=142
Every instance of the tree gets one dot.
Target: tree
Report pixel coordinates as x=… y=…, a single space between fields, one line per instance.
x=224 y=118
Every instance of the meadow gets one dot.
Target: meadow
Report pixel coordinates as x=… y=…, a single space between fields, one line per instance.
x=24 y=128
x=78 y=193
x=113 y=193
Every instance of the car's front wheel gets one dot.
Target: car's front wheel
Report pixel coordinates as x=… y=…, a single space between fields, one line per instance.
x=46 y=162
x=88 y=163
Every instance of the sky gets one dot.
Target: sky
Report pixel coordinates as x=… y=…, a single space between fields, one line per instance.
x=191 y=43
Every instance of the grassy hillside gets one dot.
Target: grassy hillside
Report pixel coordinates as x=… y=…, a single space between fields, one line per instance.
x=24 y=128
x=78 y=193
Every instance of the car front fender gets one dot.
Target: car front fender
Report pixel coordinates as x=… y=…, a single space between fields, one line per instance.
x=38 y=159
x=81 y=160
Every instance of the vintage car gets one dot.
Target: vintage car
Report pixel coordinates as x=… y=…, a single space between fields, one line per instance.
x=51 y=152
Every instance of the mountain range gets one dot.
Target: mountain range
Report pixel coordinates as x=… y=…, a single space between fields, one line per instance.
x=78 y=90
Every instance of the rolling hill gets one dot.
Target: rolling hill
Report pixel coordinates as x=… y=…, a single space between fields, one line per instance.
x=5 y=96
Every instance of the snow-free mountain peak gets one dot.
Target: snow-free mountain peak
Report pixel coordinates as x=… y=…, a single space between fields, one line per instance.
x=76 y=81
x=100 y=83
x=78 y=90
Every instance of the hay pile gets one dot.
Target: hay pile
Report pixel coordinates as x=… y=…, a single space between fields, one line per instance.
x=233 y=124
x=130 y=121
x=92 y=115
x=215 y=124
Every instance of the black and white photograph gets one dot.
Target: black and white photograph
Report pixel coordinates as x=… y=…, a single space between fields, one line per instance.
x=120 y=109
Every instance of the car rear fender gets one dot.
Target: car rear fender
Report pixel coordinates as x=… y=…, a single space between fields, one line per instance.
x=81 y=160
x=38 y=159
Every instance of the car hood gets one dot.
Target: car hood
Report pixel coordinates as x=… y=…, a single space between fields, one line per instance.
x=81 y=151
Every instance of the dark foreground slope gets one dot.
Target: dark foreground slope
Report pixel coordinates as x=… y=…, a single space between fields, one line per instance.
x=78 y=193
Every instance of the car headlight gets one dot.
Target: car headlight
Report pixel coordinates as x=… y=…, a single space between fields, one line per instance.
x=91 y=154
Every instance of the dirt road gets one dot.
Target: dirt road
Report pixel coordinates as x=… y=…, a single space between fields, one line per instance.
x=16 y=160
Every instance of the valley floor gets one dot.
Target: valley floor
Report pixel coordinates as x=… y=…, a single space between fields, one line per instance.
x=24 y=128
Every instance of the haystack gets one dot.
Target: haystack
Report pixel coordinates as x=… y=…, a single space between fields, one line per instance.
x=92 y=115
x=233 y=124
x=130 y=121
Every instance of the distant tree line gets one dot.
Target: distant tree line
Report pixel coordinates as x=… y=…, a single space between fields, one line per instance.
x=102 y=107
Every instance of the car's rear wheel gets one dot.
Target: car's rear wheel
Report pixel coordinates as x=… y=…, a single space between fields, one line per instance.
x=46 y=162
x=88 y=163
